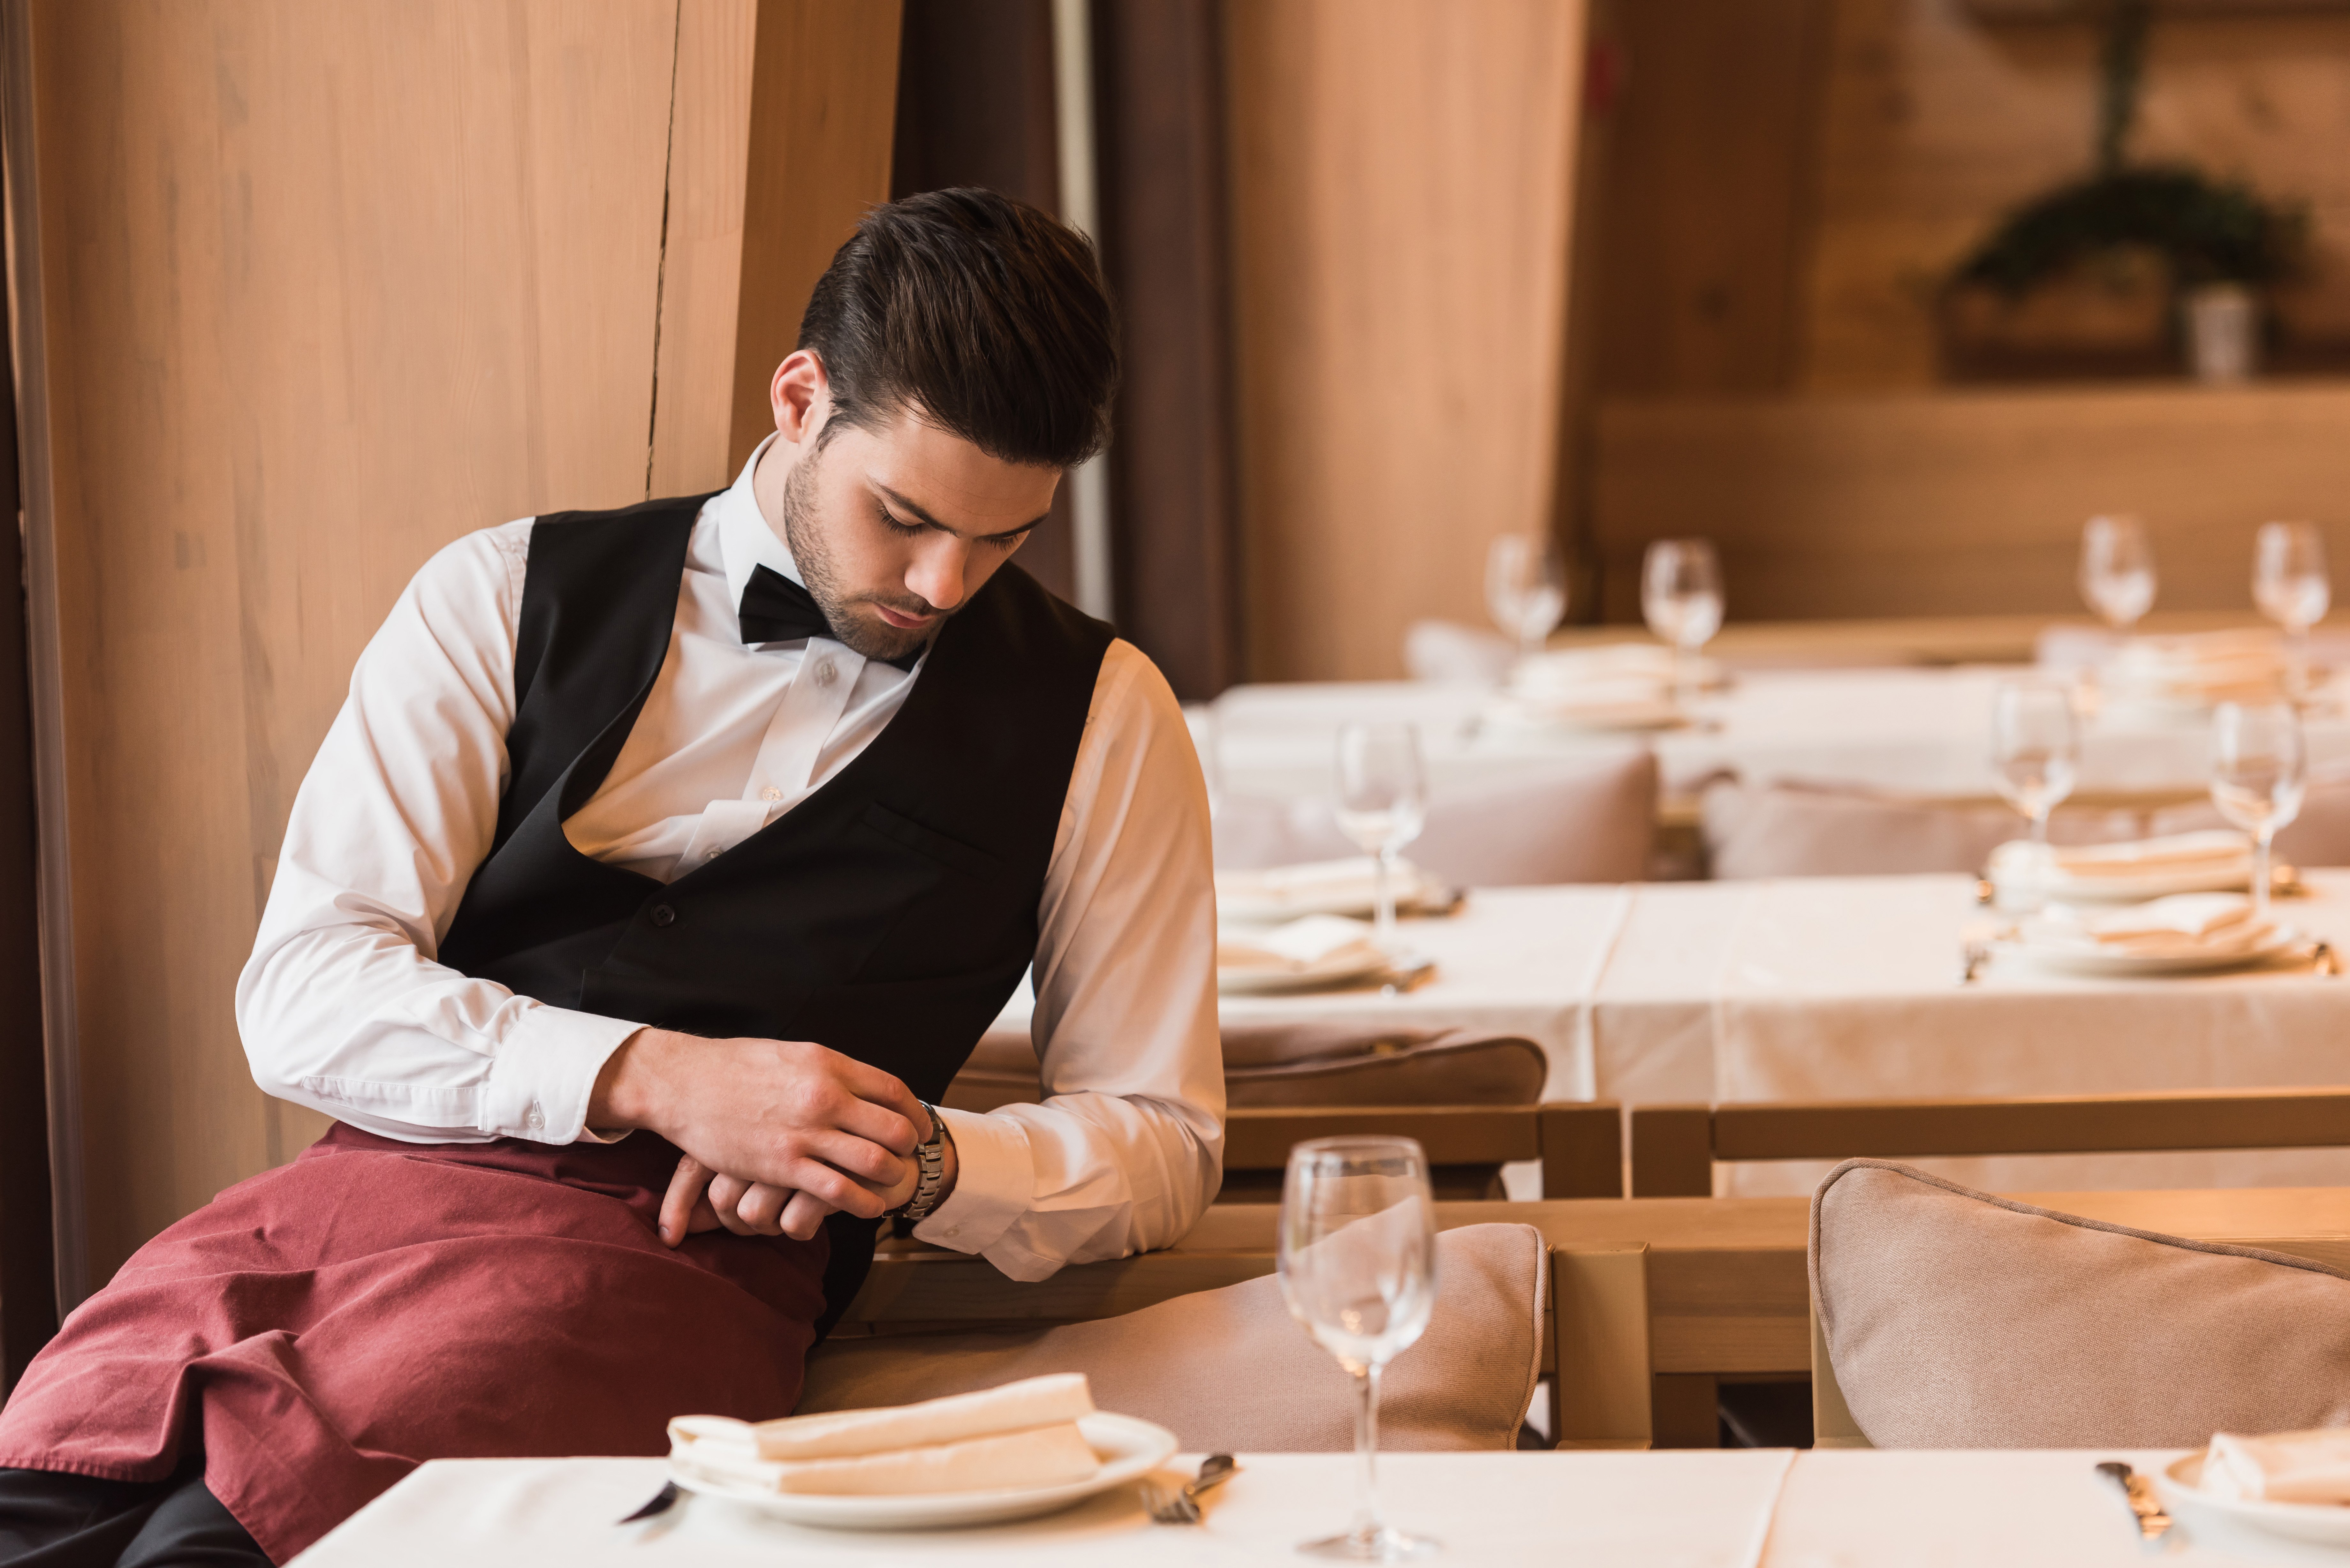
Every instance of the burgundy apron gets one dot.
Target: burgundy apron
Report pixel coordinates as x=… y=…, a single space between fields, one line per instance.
x=324 y=1327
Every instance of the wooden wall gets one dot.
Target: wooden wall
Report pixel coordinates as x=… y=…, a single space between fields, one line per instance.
x=326 y=287
x=1966 y=503
x=1401 y=173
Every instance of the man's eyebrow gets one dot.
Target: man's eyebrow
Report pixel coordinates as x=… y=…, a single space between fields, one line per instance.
x=922 y=516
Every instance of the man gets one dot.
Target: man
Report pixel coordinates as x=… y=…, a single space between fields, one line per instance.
x=660 y=870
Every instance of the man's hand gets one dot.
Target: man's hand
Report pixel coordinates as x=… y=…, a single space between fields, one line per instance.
x=804 y=1130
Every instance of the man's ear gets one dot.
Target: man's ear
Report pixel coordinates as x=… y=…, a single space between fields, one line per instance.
x=800 y=395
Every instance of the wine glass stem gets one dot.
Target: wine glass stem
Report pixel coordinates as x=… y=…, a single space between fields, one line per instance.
x=1384 y=931
x=2260 y=873
x=1367 y=1522
x=2040 y=828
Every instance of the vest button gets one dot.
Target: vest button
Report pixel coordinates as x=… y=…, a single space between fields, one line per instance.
x=663 y=915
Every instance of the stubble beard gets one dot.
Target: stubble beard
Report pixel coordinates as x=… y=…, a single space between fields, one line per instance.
x=870 y=636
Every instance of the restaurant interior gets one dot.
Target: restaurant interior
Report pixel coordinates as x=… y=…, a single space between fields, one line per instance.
x=1750 y=583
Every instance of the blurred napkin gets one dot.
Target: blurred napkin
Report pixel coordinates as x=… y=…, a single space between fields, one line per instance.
x=1021 y=1434
x=1348 y=886
x=2219 y=853
x=2245 y=665
x=2283 y=1467
x=1623 y=686
x=1312 y=943
x=2185 y=925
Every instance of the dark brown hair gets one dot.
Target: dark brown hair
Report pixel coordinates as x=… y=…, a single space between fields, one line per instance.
x=978 y=313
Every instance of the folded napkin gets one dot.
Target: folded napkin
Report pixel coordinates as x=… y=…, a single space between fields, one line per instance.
x=1021 y=1434
x=1320 y=887
x=2244 y=665
x=2222 y=854
x=2283 y=1467
x=2181 y=925
x=1301 y=945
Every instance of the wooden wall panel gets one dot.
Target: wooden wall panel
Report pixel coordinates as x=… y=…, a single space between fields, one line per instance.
x=327 y=286
x=1965 y=503
x=1401 y=173
x=824 y=97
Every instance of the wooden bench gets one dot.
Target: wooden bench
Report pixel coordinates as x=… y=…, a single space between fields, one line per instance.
x=1655 y=1301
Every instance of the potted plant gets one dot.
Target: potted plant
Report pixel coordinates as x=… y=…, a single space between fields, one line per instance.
x=2208 y=245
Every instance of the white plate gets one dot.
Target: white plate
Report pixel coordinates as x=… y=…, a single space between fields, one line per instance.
x=2084 y=961
x=1419 y=902
x=1339 y=969
x=1129 y=1448
x=2181 y=1485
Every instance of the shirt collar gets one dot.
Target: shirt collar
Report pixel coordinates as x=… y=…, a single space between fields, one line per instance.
x=746 y=541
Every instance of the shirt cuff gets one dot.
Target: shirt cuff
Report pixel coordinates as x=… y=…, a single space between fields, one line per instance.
x=995 y=1180
x=543 y=1074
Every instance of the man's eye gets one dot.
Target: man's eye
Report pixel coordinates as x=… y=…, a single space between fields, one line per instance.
x=908 y=529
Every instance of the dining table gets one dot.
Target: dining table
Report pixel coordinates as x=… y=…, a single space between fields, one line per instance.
x=1855 y=988
x=1755 y=1508
x=1918 y=732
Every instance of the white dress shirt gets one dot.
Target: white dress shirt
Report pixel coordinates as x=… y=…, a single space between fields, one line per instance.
x=343 y=1007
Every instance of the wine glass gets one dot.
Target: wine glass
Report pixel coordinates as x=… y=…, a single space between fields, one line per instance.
x=2116 y=575
x=2258 y=768
x=1358 y=1260
x=1382 y=803
x=1680 y=598
x=1525 y=588
x=2036 y=754
x=2291 y=586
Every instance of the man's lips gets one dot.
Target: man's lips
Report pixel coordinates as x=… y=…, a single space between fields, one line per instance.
x=902 y=621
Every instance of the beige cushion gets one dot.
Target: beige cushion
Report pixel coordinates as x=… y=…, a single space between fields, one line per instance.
x=1305 y=1064
x=1580 y=822
x=1802 y=830
x=1957 y=1320
x=1230 y=1369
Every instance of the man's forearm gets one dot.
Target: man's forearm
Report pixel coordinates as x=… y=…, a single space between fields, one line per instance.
x=629 y=1091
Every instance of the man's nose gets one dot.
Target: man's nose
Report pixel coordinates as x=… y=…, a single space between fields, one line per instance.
x=937 y=572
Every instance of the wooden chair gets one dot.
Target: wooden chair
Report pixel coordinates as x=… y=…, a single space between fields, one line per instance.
x=1675 y=1147
x=1580 y=1145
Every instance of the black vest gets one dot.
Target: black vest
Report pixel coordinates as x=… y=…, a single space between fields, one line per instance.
x=889 y=915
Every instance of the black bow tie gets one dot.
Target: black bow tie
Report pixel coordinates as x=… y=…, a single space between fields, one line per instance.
x=777 y=609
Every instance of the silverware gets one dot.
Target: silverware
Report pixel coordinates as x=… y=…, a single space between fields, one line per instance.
x=2144 y=1506
x=1973 y=957
x=660 y=1502
x=2323 y=959
x=1183 y=1507
x=1408 y=974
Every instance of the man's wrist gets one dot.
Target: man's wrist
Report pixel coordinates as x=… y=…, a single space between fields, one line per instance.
x=628 y=1091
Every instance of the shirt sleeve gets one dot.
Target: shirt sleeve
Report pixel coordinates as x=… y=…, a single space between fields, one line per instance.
x=1126 y=1149
x=341 y=1006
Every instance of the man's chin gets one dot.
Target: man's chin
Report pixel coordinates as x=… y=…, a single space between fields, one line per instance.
x=867 y=634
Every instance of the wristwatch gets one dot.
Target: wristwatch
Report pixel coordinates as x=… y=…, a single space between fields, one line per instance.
x=931 y=1158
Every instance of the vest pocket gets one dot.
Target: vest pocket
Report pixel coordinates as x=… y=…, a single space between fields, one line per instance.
x=952 y=853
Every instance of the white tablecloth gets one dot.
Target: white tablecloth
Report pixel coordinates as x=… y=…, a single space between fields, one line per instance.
x=1841 y=987
x=1915 y=732
x=1694 y=1510
x=1494 y=1510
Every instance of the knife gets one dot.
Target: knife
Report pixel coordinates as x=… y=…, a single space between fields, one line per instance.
x=2144 y=1505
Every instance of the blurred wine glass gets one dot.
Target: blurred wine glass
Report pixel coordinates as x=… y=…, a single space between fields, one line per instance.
x=2291 y=586
x=2036 y=754
x=1525 y=588
x=1382 y=803
x=2258 y=772
x=1680 y=598
x=2116 y=575
x=1358 y=1263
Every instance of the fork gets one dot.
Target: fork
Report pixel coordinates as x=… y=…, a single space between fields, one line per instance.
x=1182 y=1507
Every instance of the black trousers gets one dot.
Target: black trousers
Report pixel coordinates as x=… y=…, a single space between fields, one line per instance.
x=49 y=1519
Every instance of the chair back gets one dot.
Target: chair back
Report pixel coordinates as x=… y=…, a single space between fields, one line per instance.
x=1675 y=1147
x=1585 y=821
x=1806 y=830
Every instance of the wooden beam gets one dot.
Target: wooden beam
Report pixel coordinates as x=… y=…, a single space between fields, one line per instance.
x=2068 y=1124
x=1259 y=1137
x=1672 y=1151
x=1583 y=1150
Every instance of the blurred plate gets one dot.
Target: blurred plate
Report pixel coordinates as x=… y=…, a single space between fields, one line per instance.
x=2181 y=1485
x=2089 y=961
x=1344 y=968
x=1128 y=1447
